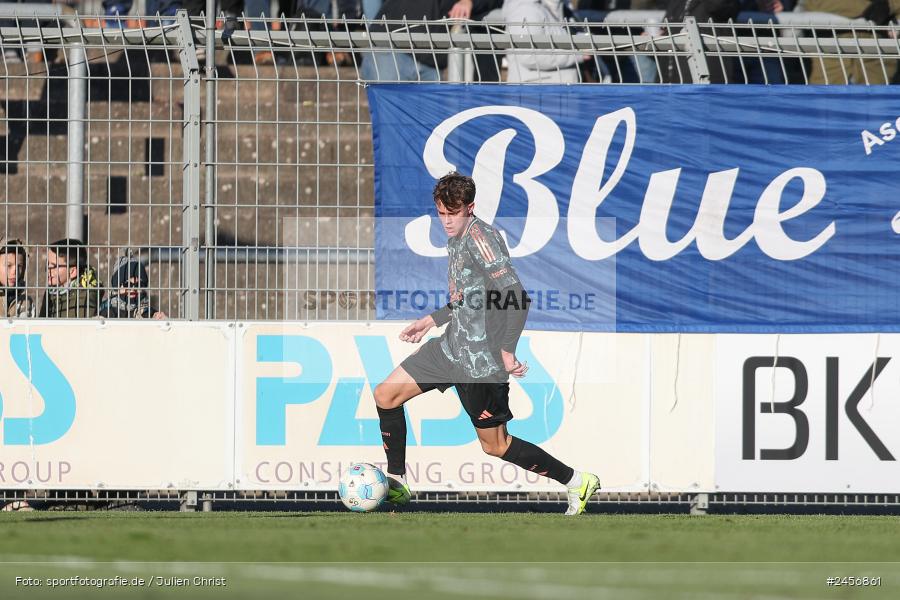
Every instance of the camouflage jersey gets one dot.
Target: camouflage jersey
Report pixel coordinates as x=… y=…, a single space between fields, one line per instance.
x=479 y=263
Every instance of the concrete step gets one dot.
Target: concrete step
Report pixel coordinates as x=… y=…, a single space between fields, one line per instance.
x=149 y=211
x=101 y=149
x=167 y=120
x=268 y=186
x=161 y=114
x=243 y=108
x=34 y=118
x=142 y=225
x=162 y=227
x=268 y=152
x=114 y=77
x=111 y=77
x=290 y=144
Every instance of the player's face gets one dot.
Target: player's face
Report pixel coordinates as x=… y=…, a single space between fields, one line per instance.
x=454 y=221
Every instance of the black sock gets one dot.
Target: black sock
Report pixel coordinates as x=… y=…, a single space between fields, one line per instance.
x=393 y=436
x=531 y=458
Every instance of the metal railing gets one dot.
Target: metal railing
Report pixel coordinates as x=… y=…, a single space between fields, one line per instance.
x=654 y=502
x=247 y=189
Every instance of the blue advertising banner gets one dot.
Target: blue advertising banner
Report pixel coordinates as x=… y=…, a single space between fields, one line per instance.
x=652 y=208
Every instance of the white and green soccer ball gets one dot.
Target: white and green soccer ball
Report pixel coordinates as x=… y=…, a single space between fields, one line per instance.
x=363 y=487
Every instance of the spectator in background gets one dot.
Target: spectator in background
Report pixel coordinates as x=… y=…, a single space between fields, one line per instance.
x=34 y=52
x=370 y=8
x=423 y=66
x=14 y=302
x=256 y=10
x=538 y=68
x=312 y=9
x=128 y=297
x=487 y=64
x=73 y=290
x=853 y=70
x=165 y=8
x=677 y=70
x=317 y=9
x=323 y=9
x=645 y=64
x=612 y=68
x=251 y=9
x=231 y=8
x=771 y=70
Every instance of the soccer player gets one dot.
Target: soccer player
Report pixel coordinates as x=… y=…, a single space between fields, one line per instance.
x=486 y=314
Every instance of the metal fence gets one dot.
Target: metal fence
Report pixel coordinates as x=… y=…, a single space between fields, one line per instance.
x=604 y=502
x=244 y=181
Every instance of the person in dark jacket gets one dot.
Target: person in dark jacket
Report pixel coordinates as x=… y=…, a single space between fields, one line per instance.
x=128 y=297
x=424 y=66
x=73 y=291
x=677 y=70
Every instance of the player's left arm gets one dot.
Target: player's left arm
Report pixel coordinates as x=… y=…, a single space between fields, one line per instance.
x=516 y=313
x=505 y=293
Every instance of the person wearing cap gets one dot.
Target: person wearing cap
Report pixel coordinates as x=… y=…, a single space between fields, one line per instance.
x=128 y=297
x=14 y=302
x=73 y=291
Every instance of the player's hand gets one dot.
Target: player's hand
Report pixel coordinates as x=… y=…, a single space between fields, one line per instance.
x=416 y=330
x=461 y=10
x=512 y=364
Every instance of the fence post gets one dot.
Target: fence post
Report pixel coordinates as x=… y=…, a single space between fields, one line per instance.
x=697 y=62
x=190 y=202
x=456 y=66
x=209 y=210
x=460 y=62
x=78 y=77
x=469 y=67
x=456 y=61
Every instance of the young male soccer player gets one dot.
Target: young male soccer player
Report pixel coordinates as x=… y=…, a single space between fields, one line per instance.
x=486 y=314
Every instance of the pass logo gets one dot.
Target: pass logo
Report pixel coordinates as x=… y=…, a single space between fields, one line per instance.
x=48 y=382
x=342 y=427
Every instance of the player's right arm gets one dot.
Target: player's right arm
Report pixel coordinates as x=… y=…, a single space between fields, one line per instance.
x=415 y=331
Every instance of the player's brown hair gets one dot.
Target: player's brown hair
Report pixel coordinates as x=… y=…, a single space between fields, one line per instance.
x=454 y=190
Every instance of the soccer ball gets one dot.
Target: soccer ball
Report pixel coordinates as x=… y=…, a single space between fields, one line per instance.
x=363 y=487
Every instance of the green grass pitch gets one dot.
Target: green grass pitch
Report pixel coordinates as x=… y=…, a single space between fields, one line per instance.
x=446 y=555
